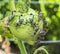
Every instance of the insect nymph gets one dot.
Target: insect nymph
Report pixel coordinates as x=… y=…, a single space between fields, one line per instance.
x=19 y=22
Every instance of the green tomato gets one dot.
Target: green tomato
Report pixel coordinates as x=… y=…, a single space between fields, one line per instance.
x=27 y=27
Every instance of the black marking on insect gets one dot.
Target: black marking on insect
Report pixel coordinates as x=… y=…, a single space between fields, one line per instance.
x=45 y=23
x=35 y=32
x=41 y=14
x=44 y=20
x=11 y=17
x=19 y=22
x=42 y=17
x=31 y=14
x=21 y=15
x=31 y=20
x=26 y=21
x=42 y=33
x=36 y=29
x=34 y=24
